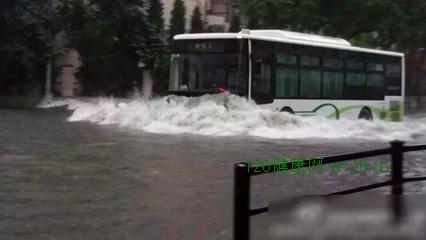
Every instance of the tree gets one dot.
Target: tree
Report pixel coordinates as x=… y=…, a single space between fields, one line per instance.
x=112 y=37
x=155 y=16
x=235 y=24
x=177 y=20
x=372 y=23
x=196 y=21
x=27 y=39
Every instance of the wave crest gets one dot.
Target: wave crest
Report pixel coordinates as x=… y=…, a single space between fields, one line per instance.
x=227 y=115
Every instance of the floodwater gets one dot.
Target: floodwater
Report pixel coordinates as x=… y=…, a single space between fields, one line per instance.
x=103 y=170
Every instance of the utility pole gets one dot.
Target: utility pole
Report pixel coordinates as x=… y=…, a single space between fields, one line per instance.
x=48 y=85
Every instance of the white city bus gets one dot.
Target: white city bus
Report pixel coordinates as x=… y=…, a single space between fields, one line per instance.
x=299 y=73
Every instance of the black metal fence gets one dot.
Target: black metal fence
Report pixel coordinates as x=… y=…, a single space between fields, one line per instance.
x=243 y=172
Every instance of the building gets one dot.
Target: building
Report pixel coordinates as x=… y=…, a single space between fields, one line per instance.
x=66 y=83
x=216 y=13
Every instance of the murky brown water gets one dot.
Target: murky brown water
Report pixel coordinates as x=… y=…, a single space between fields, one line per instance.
x=75 y=180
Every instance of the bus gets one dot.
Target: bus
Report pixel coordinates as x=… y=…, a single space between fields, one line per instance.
x=298 y=73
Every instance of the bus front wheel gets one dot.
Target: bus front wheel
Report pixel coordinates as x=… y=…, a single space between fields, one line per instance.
x=365 y=114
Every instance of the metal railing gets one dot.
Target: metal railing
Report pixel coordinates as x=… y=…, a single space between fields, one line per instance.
x=243 y=172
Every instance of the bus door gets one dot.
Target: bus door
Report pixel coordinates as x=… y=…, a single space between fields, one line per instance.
x=262 y=67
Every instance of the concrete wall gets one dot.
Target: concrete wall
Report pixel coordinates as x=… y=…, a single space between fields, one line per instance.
x=67 y=84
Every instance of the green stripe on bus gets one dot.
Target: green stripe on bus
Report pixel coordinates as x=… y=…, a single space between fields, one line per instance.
x=336 y=110
x=381 y=113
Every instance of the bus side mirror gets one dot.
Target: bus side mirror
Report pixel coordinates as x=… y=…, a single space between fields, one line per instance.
x=256 y=63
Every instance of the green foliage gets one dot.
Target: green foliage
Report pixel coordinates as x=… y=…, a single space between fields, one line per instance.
x=374 y=23
x=196 y=21
x=155 y=15
x=155 y=21
x=112 y=37
x=29 y=35
x=177 y=20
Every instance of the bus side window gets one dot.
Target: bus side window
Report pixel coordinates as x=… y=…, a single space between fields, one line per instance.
x=355 y=85
x=310 y=77
x=287 y=83
x=332 y=85
x=174 y=72
x=310 y=83
x=332 y=78
x=355 y=80
x=375 y=86
x=393 y=70
x=265 y=79
x=286 y=76
x=261 y=60
x=256 y=62
x=393 y=79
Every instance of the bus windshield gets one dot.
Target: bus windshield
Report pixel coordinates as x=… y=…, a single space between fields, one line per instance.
x=203 y=71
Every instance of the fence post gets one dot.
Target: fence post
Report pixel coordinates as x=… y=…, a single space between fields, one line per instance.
x=397 y=158
x=396 y=198
x=241 y=201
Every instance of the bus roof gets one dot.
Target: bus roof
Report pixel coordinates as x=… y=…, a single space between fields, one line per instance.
x=287 y=37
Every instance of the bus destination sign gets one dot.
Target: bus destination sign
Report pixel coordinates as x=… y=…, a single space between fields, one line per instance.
x=206 y=46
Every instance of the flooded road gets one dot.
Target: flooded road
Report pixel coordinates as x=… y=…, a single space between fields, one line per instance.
x=79 y=180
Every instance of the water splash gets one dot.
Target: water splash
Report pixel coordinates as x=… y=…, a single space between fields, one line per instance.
x=228 y=115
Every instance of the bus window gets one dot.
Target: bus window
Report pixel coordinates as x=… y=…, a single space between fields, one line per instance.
x=355 y=79
x=332 y=85
x=309 y=61
x=174 y=73
x=262 y=80
x=332 y=63
x=261 y=85
x=287 y=83
x=375 y=86
x=377 y=67
x=286 y=59
x=354 y=65
x=261 y=60
x=355 y=86
x=375 y=80
x=310 y=83
x=393 y=70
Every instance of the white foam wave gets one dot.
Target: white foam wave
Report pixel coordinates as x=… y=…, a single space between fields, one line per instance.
x=228 y=115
